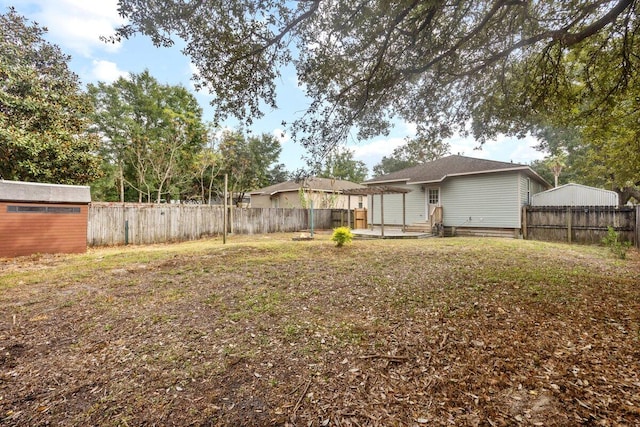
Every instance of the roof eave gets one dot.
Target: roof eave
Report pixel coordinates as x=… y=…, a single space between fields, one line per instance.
x=385 y=181
x=452 y=175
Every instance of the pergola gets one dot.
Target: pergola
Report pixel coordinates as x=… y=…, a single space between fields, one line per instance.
x=375 y=190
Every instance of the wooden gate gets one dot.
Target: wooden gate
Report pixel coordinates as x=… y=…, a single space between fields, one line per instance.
x=360 y=221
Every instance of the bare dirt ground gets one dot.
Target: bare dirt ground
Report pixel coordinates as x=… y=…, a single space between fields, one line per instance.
x=267 y=331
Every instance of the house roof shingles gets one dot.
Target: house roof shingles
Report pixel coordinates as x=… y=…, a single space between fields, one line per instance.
x=440 y=169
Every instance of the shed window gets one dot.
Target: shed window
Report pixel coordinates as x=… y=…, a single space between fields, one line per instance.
x=43 y=209
x=360 y=199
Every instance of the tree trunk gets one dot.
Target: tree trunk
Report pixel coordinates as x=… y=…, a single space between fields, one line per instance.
x=625 y=194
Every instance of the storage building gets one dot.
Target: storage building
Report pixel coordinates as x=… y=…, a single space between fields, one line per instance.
x=575 y=195
x=42 y=218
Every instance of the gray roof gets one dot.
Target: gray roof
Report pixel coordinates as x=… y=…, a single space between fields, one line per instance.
x=17 y=191
x=440 y=169
x=312 y=184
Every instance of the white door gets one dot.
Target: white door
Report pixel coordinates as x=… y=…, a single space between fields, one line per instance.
x=433 y=201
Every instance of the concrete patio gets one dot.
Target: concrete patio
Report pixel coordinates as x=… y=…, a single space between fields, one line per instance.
x=389 y=233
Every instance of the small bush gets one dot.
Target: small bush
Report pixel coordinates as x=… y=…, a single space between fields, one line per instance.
x=617 y=247
x=342 y=235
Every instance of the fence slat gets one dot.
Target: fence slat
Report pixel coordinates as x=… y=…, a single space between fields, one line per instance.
x=580 y=224
x=159 y=223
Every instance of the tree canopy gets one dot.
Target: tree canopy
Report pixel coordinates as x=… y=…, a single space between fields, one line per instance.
x=468 y=66
x=340 y=164
x=249 y=161
x=43 y=112
x=152 y=134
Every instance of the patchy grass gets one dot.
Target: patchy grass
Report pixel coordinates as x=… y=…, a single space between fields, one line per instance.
x=266 y=331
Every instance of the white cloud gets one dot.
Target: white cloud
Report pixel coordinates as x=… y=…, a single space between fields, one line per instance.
x=372 y=152
x=107 y=71
x=281 y=135
x=410 y=128
x=503 y=149
x=76 y=25
x=377 y=148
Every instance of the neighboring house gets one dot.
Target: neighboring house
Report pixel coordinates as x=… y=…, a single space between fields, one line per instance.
x=575 y=195
x=324 y=192
x=472 y=196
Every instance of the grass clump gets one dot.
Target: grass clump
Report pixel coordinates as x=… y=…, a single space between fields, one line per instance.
x=342 y=235
x=617 y=247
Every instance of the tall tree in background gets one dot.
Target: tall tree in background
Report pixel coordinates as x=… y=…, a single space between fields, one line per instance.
x=208 y=164
x=340 y=164
x=152 y=134
x=413 y=152
x=249 y=161
x=43 y=112
x=469 y=66
x=599 y=148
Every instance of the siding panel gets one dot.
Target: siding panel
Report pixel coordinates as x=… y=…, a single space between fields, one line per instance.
x=487 y=201
x=415 y=207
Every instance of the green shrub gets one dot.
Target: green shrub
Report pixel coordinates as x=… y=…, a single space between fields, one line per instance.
x=615 y=245
x=342 y=235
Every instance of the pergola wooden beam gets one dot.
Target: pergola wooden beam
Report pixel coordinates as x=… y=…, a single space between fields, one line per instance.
x=381 y=190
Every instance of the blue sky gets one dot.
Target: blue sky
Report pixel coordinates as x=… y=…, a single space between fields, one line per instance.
x=76 y=26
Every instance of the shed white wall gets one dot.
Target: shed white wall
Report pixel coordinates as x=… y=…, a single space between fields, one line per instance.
x=575 y=195
x=415 y=207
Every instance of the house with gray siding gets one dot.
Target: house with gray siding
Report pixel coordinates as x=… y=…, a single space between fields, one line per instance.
x=464 y=195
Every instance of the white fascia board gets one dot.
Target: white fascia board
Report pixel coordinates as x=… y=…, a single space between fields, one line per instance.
x=386 y=181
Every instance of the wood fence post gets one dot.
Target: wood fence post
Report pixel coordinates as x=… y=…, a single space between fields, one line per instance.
x=569 y=214
x=224 y=211
x=524 y=222
x=637 y=226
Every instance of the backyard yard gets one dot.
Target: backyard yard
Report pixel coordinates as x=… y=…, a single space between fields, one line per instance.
x=270 y=331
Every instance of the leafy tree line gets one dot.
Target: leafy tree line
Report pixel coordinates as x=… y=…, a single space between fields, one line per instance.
x=132 y=140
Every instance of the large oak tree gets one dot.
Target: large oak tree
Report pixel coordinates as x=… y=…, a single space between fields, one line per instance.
x=43 y=112
x=440 y=64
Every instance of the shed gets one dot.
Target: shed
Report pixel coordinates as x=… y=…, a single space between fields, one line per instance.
x=42 y=218
x=575 y=195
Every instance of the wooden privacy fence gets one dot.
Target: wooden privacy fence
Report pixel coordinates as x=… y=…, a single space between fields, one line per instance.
x=580 y=224
x=118 y=224
x=354 y=218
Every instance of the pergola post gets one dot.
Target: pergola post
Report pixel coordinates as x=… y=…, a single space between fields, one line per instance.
x=372 y=192
x=382 y=213
x=404 y=215
x=373 y=201
x=349 y=210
